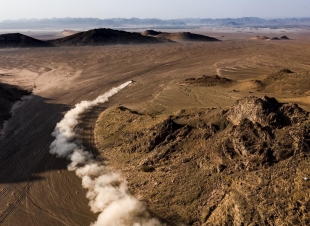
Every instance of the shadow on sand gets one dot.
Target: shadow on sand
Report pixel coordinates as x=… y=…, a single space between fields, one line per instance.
x=24 y=148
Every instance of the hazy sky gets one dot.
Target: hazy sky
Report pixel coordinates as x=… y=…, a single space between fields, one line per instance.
x=165 y=9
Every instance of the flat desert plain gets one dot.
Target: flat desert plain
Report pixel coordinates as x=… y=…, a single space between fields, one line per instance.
x=37 y=189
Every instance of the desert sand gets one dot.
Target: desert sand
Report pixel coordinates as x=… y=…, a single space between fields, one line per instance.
x=37 y=189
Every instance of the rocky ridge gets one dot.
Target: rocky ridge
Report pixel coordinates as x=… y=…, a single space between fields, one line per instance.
x=208 y=80
x=212 y=166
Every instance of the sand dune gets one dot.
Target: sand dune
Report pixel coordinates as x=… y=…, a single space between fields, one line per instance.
x=260 y=38
x=66 y=33
x=179 y=36
x=186 y=36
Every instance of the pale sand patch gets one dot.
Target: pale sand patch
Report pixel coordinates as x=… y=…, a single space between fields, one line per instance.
x=40 y=81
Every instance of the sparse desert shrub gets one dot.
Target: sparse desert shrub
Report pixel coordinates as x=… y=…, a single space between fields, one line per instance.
x=146 y=168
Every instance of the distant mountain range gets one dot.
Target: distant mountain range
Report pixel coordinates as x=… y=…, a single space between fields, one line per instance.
x=67 y=23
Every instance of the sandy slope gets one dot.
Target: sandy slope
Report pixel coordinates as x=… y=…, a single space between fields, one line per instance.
x=35 y=187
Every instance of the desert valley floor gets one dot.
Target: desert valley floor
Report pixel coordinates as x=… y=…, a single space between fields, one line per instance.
x=37 y=189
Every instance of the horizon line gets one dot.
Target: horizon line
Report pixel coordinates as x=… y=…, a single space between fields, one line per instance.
x=183 y=18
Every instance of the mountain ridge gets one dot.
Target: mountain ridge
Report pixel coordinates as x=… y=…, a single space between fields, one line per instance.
x=125 y=22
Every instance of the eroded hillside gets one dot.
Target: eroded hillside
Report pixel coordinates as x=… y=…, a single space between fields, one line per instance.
x=244 y=165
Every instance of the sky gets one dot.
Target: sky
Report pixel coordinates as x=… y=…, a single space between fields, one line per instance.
x=163 y=9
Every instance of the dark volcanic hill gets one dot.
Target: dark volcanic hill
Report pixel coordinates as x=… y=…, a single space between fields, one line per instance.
x=151 y=32
x=284 y=38
x=267 y=38
x=104 y=36
x=14 y=40
x=179 y=36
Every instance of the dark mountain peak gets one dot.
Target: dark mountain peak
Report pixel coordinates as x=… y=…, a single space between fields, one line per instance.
x=104 y=36
x=284 y=37
x=13 y=40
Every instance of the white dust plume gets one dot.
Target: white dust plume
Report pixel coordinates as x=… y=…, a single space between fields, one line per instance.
x=107 y=191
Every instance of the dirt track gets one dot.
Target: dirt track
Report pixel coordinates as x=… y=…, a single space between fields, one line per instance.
x=35 y=187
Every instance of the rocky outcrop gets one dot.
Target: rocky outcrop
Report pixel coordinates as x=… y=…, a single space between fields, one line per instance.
x=246 y=165
x=267 y=112
x=267 y=129
x=208 y=80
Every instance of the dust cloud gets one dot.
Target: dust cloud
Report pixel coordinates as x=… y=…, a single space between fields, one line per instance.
x=107 y=191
